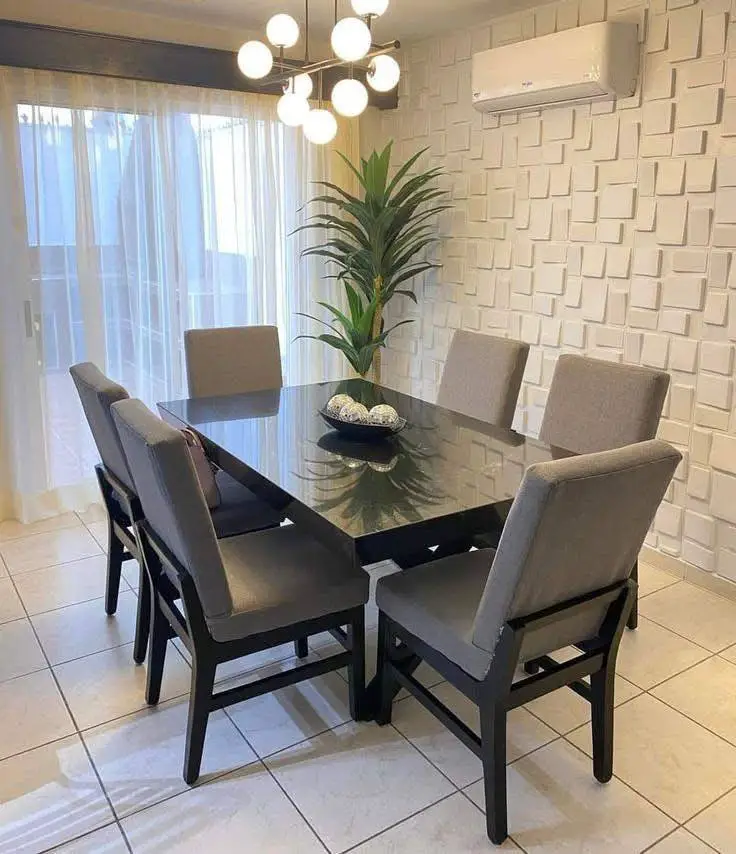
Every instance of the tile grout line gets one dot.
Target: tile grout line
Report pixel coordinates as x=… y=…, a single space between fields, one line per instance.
x=74 y=723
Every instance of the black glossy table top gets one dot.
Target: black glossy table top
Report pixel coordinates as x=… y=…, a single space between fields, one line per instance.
x=442 y=465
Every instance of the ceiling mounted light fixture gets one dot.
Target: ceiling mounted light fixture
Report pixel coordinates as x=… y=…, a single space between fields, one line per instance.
x=351 y=41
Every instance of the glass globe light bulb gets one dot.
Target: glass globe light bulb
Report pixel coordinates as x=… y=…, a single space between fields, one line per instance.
x=282 y=31
x=292 y=109
x=369 y=7
x=255 y=60
x=320 y=127
x=300 y=85
x=349 y=98
x=383 y=73
x=351 y=39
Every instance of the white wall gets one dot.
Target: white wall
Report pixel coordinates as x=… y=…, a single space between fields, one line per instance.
x=600 y=229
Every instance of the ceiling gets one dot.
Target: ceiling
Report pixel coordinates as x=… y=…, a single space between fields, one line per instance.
x=405 y=19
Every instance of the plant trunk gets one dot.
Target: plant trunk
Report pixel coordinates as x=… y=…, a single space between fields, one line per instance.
x=377 y=325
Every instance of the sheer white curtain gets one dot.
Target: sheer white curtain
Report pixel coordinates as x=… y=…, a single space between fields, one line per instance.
x=131 y=212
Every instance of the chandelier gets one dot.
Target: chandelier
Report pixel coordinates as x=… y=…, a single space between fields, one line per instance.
x=352 y=42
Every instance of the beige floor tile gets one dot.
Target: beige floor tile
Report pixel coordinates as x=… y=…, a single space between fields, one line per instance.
x=564 y=710
x=99 y=532
x=131 y=574
x=48 y=549
x=13 y=530
x=729 y=654
x=707 y=694
x=107 y=840
x=243 y=812
x=3 y=569
x=108 y=685
x=694 y=613
x=66 y=584
x=84 y=629
x=48 y=796
x=524 y=734
x=453 y=826
x=652 y=654
x=717 y=824
x=285 y=717
x=356 y=781
x=557 y=807
x=33 y=713
x=681 y=842
x=140 y=758
x=19 y=650
x=652 y=579
x=675 y=763
x=11 y=608
x=242 y=667
x=94 y=513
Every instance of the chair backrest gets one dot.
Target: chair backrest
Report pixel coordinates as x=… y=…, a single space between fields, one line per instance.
x=97 y=394
x=232 y=360
x=595 y=405
x=576 y=526
x=172 y=499
x=482 y=377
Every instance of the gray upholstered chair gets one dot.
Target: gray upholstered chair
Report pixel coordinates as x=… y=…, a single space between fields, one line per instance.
x=559 y=578
x=239 y=510
x=482 y=377
x=239 y=595
x=232 y=360
x=595 y=406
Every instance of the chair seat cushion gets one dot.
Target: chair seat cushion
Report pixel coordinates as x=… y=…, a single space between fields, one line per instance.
x=437 y=603
x=240 y=510
x=281 y=576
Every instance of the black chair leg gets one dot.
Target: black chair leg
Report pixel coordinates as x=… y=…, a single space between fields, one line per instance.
x=356 y=634
x=493 y=750
x=156 y=654
x=115 y=552
x=301 y=647
x=200 y=700
x=143 y=619
x=633 y=620
x=602 y=712
x=383 y=672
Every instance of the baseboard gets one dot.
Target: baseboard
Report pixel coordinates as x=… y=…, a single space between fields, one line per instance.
x=682 y=569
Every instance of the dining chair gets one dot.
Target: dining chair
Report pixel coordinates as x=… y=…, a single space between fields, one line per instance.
x=594 y=405
x=560 y=578
x=482 y=377
x=232 y=360
x=239 y=595
x=239 y=511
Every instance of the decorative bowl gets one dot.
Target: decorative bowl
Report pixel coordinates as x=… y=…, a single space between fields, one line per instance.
x=362 y=431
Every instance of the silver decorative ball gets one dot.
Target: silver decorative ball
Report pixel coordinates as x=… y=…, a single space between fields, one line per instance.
x=384 y=415
x=384 y=468
x=356 y=413
x=336 y=403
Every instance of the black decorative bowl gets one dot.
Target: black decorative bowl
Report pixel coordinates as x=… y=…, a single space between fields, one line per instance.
x=362 y=432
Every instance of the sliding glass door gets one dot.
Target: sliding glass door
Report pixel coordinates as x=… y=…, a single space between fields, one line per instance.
x=144 y=211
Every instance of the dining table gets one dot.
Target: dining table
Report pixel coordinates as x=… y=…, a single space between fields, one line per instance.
x=433 y=489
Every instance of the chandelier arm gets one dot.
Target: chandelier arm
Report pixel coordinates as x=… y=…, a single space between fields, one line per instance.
x=306 y=32
x=288 y=66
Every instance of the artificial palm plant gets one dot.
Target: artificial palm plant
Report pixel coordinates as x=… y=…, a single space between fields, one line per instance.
x=378 y=241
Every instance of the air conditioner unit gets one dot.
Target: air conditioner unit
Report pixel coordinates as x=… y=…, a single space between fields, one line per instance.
x=583 y=64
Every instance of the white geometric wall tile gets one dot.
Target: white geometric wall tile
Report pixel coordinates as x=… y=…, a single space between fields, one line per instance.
x=684 y=34
x=714 y=391
x=689 y=141
x=716 y=309
x=701 y=172
x=610 y=231
x=659 y=81
x=708 y=72
x=617 y=202
x=594 y=261
x=674 y=322
x=718 y=274
x=699 y=107
x=658 y=117
x=671 y=221
x=658 y=32
x=659 y=145
x=655 y=350
x=671 y=178
x=699 y=226
x=585 y=177
x=684 y=355
x=683 y=292
x=644 y=293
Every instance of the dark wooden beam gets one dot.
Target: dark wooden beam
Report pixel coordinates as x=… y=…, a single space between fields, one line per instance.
x=57 y=49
